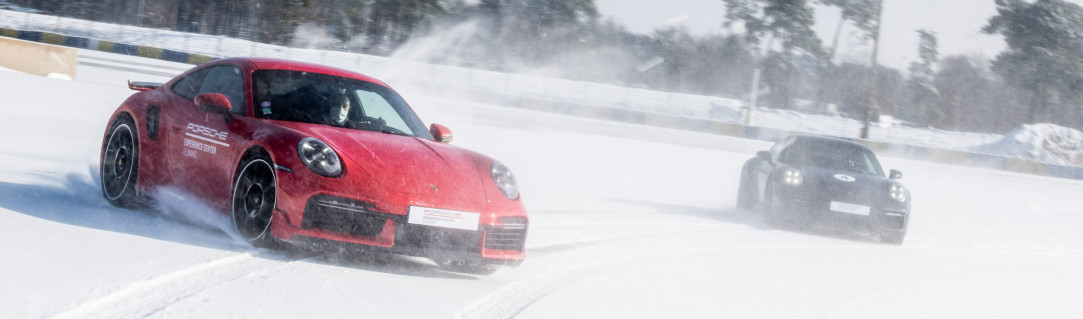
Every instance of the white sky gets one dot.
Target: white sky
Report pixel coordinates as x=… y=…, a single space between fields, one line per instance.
x=957 y=23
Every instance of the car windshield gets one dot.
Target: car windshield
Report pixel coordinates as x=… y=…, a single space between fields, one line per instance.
x=836 y=156
x=299 y=96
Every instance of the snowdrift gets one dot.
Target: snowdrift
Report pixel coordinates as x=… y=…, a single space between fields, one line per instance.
x=1046 y=143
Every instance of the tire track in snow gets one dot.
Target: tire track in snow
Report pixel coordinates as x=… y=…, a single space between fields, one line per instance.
x=551 y=248
x=511 y=299
x=1048 y=246
x=143 y=298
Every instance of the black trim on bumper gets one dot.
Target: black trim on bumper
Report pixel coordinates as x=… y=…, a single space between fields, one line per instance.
x=354 y=217
x=343 y=216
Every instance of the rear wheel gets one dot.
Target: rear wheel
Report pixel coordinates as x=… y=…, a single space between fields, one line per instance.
x=253 y=201
x=120 y=163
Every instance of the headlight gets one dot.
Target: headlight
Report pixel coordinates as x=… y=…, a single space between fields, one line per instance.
x=504 y=180
x=899 y=193
x=793 y=177
x=319 y=157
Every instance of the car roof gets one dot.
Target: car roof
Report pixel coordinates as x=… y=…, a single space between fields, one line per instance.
x=283 y=64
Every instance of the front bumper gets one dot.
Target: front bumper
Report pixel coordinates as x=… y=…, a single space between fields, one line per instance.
x=882 y=218
x=319 y=217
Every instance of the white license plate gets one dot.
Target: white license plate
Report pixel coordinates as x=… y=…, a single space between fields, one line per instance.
x=443 y=218
x=850 y=208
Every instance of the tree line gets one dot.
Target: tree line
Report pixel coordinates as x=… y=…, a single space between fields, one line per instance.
x=1037 y=79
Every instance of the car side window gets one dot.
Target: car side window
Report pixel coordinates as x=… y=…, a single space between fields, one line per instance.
x=222 y=79
x=188 y=87
x=226 y=80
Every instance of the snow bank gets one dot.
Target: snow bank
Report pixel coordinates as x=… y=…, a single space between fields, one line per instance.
x=1045 y=143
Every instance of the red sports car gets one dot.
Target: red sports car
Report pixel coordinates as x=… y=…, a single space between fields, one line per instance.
x=309 y=154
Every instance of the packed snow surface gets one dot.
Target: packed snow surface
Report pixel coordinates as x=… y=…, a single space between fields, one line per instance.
x=627 y=221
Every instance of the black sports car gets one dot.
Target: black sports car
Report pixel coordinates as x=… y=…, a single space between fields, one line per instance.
x=811 y=178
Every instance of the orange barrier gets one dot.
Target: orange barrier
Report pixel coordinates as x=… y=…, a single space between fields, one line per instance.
x=37 y=58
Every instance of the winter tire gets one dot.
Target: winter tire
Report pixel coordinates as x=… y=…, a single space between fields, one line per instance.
x=253 y=201
x=467 y=267
x=120 y=163
x=745 y=197
x=893 y=238
x=770 y=216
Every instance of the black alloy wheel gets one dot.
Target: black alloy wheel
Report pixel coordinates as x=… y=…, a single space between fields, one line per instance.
x=253 y=201
x=120 y=163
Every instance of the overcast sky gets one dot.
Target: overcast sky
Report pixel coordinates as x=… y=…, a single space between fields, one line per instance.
x=957 y=24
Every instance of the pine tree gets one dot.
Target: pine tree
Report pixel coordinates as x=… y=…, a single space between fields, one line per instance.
x=790 y=22
x=1043 y=56
x=923 y=90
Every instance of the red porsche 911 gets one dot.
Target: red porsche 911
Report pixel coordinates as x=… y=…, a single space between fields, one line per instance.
x=308 y=154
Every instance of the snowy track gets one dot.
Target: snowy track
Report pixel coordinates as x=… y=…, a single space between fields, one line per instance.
x=144 y=298
x=627 y=222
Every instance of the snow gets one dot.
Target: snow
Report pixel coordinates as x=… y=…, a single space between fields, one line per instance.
x=627 y=221
x=1047 y=143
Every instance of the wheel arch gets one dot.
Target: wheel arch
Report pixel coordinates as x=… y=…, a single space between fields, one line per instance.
x=253 y=151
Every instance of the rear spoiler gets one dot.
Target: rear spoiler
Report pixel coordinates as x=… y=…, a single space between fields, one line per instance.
x=143 y=86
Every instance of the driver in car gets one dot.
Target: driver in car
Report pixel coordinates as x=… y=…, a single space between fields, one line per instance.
x=339 y=111
x=339 y=115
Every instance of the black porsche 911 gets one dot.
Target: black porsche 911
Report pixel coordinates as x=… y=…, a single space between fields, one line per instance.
x=807 y=178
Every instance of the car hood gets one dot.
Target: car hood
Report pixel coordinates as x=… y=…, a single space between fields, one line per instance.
x=847 y=185
x=408 y=164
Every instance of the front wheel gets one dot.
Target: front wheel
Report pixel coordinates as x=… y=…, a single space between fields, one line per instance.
x=893 y=238
x=770 y=214
x=467 y=267
x=253 y=201
x=746 y=199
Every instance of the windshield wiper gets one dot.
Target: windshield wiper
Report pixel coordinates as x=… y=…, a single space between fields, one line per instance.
x=394 y=132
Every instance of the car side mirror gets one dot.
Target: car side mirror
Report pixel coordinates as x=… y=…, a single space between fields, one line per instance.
x=764 y=155
x=895 y=174
x=441 y=133
x=213 y=103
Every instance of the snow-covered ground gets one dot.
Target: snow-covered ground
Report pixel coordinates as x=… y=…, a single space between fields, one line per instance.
x=628 y=221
